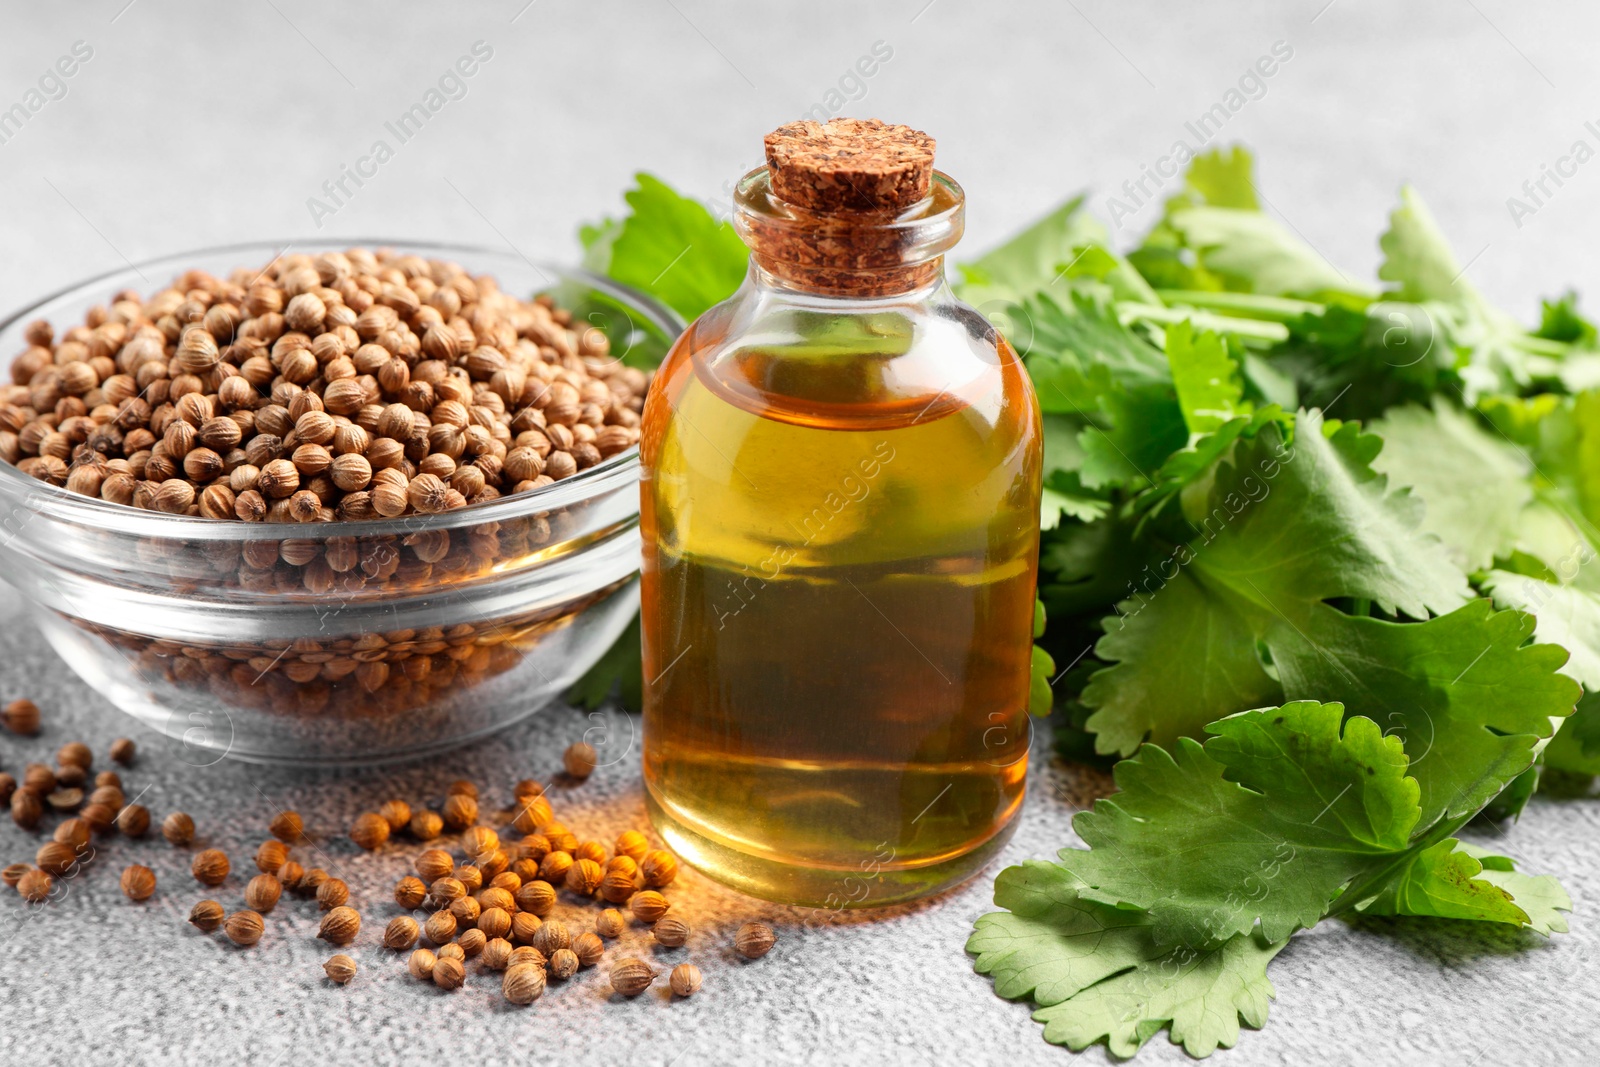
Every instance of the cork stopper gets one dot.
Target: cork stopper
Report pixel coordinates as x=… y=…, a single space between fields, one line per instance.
x=861 y=165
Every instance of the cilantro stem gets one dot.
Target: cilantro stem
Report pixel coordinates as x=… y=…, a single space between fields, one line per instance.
x=1249 y=329
x=1244 y=305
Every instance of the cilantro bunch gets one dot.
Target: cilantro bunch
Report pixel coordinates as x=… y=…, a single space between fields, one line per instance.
x=1317 y=554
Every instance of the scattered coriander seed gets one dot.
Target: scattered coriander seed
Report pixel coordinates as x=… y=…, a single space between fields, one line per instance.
x=13 y=873
x=421 y=964
x=138 y=883
x=537 y=896
x=8 y=787
x=584 y=878
x=466 y=911
x=618 y=886
x=460 y=811
x=551 y=936
x=287 y=826
x=340 y=926
x=401 y=933
x=510 y=881
x=588 y=948
x=71 y=776
x=561 y=839
x=579 y=759
x=624 y=864
x=105 y=778
x=206 y=915
x=495 y=897
x=34 y=886
x=440 y=927
x=591 y=850
x=397 y=813
x=491 y=864
x=100 y=817
x=210 y=867
x=754 y=940
x=525 y=927
x=55 y=858
x=563 y=963
x=446 y=891
x=497 y=954
x=685 y=980
x=122 y=751
x=633 y=844
x=271 y=855
x=409 y=893
x=528 y=787
x=65 y=799
x=262 y=892
x=434 y=864
x=659 y=868
x=526 y=871
x=370 y=831
x=472 y=942
x=244 y=928
x=178 y=829
x=340 y=968
x=74 y=832
x=631 y=977
x=648 y=906
x=314 y=880
x=609 y=923
x=532 y=813
x=494 y=922
x=21 y=717
x=292 y=876
x=452 y=951
x=26 y=809
x=426 y=825
x=469 y=875
x=332 y=894
x=134 y=820
x=523 y=984
x=671 y=932
x=109 y=795
x=448 y=973
x=462 y=788
x=526 y=954
x=75 y=754
x=479 y=839
x=38 y=779
x=554 y=867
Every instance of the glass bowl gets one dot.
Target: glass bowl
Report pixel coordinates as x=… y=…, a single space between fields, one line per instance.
x=336 y=642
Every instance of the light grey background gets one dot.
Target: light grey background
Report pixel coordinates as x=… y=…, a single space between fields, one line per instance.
x=200 y=124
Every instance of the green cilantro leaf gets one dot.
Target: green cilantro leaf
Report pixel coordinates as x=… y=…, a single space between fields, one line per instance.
x=1031 y=261
x=1455 y=880
x=1255 y=253
x=1266 y=823
x=1205 y=377
x=1417 y=258
x=1472 y=483
x=669 y=247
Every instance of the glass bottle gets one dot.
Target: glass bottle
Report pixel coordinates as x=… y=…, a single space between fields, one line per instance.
x=840 y=515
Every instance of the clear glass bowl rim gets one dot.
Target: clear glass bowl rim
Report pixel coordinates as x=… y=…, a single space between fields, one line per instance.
x=58 y=502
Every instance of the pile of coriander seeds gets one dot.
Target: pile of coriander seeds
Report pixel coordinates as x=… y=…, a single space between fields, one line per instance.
x=346 y=385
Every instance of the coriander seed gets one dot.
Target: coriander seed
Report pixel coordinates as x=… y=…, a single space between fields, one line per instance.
x=452 y=951
x=526 y=954
x=532 y=813
x=584 y=878
x=314 y=880
x=292 y=876
x=332 y=894
x=75 y=754
x=340 y=926
x=426 y=825
x=55 y=858
x=13 y=873
x=523 y=984
x=370 y=831
x=34 y=886
x=8 y=787
x=537 y=896
x=440 y=927
x=588 y=948
x=401 y=933
x=685 y=980
x=633 y=844
x=134 y=820
x=105 y=778
x=563 y=963
x=287 y=826
x=631 y=977
x=421 y=964
x=21 y=717
x=210 y=867
x=409 y=893
x=494 y=922
x=65 y=799
x=479 y=839
x=472 y=942
x=271 y=855
x=469 y=876
x=73 y=832
x=122 y=751
x=466 y=911
x=206 y=916
x=551 y=936
x=754 y=940
x=460 y=811
x=648 y=906
x=446 y=891
x=178 y=829
x=26 y=809
x=138 y=883
x=525 y=927
x=609 y=923
x=671 y=932
x=244 y=928
x=434 y=864
x=554 y=867
x=591 y=850
x=100 y=817
x=618 y=886
x=497 y=954
x=579 y=759
x=261 y=893
x=38 y=779
x=448 y=973
x=340 y=968
x=397 y=813
x=495 y=897
x=659 y=868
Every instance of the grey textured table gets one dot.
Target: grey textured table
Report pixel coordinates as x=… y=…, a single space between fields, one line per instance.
x=197 y=125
